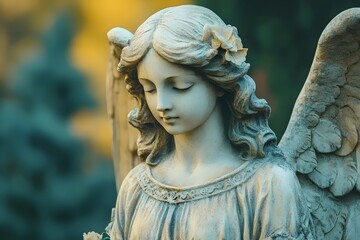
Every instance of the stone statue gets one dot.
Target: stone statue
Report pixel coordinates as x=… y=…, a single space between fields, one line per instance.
x=209 y=166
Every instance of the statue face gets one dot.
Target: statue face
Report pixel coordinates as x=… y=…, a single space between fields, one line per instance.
x=179 y=99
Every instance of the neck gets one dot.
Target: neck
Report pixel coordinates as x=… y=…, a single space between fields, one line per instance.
x=204 y=145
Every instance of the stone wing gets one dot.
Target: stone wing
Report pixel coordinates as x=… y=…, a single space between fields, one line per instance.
x=119 y=104
x=322 y=137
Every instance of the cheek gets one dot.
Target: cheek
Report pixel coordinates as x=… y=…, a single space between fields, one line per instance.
x=200 y=105
x=206 y=99
x=151 y=103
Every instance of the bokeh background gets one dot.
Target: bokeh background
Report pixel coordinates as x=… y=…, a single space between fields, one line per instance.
x=56 y=174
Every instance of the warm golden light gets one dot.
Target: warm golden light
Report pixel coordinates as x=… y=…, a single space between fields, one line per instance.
x=90 y=52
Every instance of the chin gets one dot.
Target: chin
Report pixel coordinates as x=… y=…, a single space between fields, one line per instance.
x=173 y=130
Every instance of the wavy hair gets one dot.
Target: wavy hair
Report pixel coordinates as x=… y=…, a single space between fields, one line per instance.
x=176 y=35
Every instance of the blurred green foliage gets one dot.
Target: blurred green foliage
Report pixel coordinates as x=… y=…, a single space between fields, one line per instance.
x=47 y=190
x=281 y=37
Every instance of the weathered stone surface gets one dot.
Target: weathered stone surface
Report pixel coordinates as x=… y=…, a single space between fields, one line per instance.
x=332 y=92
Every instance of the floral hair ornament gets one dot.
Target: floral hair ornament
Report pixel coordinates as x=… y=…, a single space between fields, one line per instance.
x=226 y=38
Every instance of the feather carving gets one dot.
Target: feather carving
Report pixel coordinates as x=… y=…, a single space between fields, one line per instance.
x=331 y=96
x=329 y=107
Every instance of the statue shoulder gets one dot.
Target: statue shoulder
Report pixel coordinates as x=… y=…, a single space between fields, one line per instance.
x=131 y=179
x=276 y=170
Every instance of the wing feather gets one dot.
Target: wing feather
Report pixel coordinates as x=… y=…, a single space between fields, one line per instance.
x=326 y=137
x=347 y=175
x=329 y=215
x=325 y=174
x=306 y=162
x=349 y=131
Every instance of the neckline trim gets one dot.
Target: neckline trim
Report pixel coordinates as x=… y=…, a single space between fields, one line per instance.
x=185 y=188
x=175 y=195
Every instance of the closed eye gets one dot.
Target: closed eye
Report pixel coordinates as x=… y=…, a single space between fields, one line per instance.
x=150 y=90
x=182 y=89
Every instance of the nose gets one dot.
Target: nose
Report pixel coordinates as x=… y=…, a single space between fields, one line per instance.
x=163 y=101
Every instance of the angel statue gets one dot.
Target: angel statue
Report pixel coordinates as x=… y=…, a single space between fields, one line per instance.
x=209 y=165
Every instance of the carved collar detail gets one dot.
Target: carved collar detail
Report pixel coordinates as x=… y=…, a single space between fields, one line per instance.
x=175 y=195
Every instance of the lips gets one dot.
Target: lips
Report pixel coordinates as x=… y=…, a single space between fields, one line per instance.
x=168 y=119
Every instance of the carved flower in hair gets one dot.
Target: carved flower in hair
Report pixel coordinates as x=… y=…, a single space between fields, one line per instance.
x=226 y=38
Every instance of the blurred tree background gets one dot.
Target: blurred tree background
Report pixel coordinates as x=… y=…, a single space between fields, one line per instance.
x=56 y=176
x=48 y=190
x=281 y=37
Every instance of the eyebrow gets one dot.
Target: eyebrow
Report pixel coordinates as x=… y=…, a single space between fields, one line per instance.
x=171 y=77
x=168 y=79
